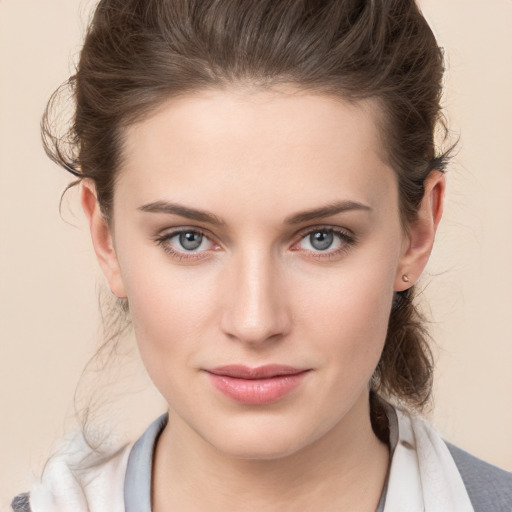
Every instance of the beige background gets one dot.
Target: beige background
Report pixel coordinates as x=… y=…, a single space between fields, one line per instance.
x=48 y=313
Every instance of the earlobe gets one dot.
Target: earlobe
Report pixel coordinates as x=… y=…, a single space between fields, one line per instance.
x=102 y=240
x=421 y=233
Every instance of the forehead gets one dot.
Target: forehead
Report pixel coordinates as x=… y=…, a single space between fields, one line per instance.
x=291 y=145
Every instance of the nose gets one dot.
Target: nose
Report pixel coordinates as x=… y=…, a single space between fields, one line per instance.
x=255 y=308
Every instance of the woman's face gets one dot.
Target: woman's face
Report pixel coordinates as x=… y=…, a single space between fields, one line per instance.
x=258 y=231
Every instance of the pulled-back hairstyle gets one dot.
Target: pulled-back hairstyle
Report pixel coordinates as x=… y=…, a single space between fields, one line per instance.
x=139 y=53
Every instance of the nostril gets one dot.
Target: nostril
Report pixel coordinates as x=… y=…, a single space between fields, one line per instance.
x=256 y=325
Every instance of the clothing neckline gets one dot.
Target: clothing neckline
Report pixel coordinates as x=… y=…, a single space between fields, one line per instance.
x=137 y=484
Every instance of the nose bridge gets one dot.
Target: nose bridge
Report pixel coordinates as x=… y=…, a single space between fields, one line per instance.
x=255 y=309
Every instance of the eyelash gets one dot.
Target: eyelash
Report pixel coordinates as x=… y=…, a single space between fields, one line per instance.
x=164 y=240
x=347 y=239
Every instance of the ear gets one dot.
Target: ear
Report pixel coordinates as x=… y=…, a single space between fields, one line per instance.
x=102 y=239
x=421 y=232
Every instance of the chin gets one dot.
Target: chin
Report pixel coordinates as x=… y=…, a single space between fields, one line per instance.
x=260 y=448
x=263 y=439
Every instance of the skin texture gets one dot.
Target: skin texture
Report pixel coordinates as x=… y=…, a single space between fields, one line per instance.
x=257 y=291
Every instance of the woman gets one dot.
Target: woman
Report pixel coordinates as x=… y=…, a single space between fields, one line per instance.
x=263 y=189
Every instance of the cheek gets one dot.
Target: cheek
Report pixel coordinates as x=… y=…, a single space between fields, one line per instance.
x=167 y=323
x=347 y=317
x=170 y=310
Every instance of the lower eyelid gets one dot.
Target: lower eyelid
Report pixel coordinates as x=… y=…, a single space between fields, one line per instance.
x=182 y=255
x=344 y=248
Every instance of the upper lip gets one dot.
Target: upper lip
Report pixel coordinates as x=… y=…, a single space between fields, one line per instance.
x=261 y=372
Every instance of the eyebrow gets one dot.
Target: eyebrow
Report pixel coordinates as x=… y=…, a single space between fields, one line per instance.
x=298 y=218
x=182 y=211
x=326 y=211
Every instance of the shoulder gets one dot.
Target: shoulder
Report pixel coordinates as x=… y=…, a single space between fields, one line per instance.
x=489 y=487
x=82 y=479
x=78 y=477
x=446 y=473
x=21 y=503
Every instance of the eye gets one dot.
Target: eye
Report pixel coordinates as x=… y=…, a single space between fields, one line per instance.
x=320 y=240
x=325 y=242
x=186 y=243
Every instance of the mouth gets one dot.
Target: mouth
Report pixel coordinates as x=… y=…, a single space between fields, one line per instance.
x=256 y=386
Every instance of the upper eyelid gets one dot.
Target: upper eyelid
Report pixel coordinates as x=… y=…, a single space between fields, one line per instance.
x=334 y=229
x=302 y=232
x=171 y=232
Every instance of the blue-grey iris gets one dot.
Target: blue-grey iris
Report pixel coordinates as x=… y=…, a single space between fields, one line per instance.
x=190 y=240
x=321 y=240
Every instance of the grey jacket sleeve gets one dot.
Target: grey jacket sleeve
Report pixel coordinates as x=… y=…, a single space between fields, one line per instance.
x=489 y=488
x=21 y=503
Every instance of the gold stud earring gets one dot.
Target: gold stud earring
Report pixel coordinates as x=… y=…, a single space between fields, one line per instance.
x=405 y=278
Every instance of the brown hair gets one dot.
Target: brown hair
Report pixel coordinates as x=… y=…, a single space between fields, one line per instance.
x=138 y=53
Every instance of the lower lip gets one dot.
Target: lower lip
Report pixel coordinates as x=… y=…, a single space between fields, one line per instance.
x=257 y=391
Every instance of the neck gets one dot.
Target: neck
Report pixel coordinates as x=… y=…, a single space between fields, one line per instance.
x=343 y=470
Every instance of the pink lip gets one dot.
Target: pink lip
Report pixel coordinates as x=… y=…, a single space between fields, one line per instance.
x=261 y=385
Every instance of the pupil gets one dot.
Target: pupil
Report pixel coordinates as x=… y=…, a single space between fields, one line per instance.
x=321 y=240
x=190 y=240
